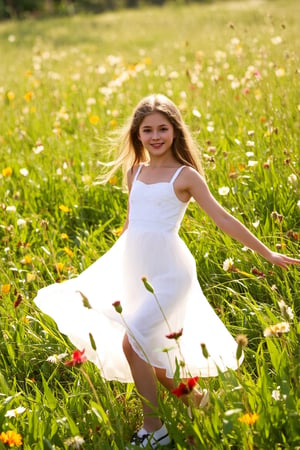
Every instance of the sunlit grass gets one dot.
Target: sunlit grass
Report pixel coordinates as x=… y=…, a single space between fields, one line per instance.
x=66 y=86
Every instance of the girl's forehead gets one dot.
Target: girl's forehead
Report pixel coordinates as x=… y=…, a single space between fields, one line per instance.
x=154 y=119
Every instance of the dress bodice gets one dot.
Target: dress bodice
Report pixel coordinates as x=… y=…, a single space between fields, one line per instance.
x=155 y=206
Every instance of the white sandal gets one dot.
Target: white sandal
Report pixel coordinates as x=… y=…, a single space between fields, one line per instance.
x=156 y=439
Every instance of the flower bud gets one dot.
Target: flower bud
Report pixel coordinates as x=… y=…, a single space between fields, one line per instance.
x=117 y=306
x=147 y=285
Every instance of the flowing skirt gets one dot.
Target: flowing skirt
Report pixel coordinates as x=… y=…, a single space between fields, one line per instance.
x=149 y=318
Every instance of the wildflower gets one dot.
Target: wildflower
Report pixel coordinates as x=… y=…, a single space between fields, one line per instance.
x=147 y=285
x=68 y=251
x=280 y=72
x=74 y=441
x=59 y=267
x=28 y=96
x=11 y=438
x=277 y=330
x=252 y=163
x=15 y=412
x=292 y=179
x=26 y=260
x=30 y=277
x=5 y=288
x=276 y=40
x=7 y=171
x=228 y=265
x=11 y=208
x=175 y=334
x=64 y=236
x=113 y=180
x=117 y=306
x=55 y=359
x=248 y=418
x=78 y=357
x=21 y=223
x=285 y=310
x=94 y=119
x=185 y=388
x=196 y=113
x=11 y=96
x=64 y=208
x=293 y=234
x=224 y=190
x=38 y=148
x=276 y=394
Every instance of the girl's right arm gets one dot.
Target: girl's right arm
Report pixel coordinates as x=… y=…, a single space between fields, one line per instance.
x=130 y=177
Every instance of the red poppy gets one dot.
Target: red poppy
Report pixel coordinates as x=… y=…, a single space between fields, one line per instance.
x=78 y=357
x=185 y=388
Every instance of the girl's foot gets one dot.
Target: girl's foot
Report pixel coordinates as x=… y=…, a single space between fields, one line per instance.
x=156 y=439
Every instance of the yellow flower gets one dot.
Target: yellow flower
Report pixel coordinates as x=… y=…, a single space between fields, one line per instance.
x=7 y=171
x=64 y=236
x=68 y=251
x=30 y=277
x=28 y=96
x=64 y=208
x=248 y=418
x=11 y=438
x=113 y=123
x=59 y=267
x=117 y=231
x=113 y=180
x=26 y=260
x=5 y=288
x=94 y=119
x=10 y=95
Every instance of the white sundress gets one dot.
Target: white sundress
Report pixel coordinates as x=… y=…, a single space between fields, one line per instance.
x=151 y=248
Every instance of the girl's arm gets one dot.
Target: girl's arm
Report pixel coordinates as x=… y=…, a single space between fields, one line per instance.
x=130 y=176
x=198 y=189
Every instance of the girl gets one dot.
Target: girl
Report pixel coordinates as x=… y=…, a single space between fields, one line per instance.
x=150 y=276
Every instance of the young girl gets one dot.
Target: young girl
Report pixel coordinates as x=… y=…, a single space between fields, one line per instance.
x=150 y=274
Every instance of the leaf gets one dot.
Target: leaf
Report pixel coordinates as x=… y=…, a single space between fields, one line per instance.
x=52 y=402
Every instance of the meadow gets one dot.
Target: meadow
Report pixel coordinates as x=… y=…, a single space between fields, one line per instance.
x=67 y=85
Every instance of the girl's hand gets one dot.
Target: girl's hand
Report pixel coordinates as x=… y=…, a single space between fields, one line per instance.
x=282 y=260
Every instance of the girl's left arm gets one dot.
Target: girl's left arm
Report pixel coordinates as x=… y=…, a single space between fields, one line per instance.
x=199 y=190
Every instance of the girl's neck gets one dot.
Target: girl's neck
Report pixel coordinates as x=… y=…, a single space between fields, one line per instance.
x=161 y=163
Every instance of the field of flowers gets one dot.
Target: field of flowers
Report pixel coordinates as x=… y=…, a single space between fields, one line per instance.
x=66 y=86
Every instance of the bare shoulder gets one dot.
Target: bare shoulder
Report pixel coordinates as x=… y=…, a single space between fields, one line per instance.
x=188 y=183
x=190 y=178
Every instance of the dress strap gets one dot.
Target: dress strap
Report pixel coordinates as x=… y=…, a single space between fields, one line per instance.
x=177 y=172
x=137 y=172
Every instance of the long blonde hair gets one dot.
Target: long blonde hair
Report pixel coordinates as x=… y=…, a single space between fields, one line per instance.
x=132 y=151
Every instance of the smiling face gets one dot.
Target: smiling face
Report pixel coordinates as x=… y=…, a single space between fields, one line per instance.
x=156 y=134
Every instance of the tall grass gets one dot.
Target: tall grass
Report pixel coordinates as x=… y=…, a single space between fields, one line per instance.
x=66 y=86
